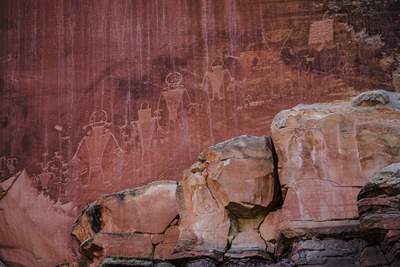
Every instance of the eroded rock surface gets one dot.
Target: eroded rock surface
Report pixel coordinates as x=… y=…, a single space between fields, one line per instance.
x=136 y=223
x=34 y=231
x=379 y=207
x=225 y=196
x=327 y=152
x=326 y=252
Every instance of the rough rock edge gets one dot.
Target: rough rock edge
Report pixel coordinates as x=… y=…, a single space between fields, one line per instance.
x=366 y=100
x=93 y=212
x=224 y=151
x=378 y=204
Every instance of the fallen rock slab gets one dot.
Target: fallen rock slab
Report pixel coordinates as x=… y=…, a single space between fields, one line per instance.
x=33 y=229
x=139 y=223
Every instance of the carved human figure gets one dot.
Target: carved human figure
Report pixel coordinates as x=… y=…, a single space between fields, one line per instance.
x=214 y=81
x=98 y=144
x=145 y=126
x=173 y=96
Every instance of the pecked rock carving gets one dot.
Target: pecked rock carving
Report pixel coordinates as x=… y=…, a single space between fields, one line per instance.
x=327 y=152
x=232 y=209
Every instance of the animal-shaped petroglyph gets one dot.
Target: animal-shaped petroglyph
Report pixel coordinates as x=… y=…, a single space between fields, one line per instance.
x=277 y=36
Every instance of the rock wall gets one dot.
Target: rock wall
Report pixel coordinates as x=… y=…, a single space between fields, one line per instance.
x=100 y=96
x=235 y=205
x=379 y=207
x=328 y=152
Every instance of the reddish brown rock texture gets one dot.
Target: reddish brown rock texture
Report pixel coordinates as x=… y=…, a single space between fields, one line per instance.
x=379 y=207
x=33 y=233
x=227 y=210
x=327 y=152
x=136 y=223
x=224 y=197
x=101 y=96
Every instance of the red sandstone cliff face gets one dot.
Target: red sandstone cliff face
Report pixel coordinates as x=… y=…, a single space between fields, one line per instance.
x=244 y=202
x=101 y=96
x=98 y=96
x=229 y=203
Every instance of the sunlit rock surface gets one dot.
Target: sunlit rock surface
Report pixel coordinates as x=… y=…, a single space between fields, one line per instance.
x=326 y=154
x=135 y=223
x=34 y=231
x=379 y=207
x=224 y=197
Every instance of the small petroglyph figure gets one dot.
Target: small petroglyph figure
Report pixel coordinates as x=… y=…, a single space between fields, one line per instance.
x=53 y=176
x=173 y=96
x=214 y=81
x=145 y=126
x=11 y=165
x=129 y=135
x=8 y=166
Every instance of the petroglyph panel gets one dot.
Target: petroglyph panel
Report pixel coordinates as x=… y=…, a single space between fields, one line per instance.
x=98 y=97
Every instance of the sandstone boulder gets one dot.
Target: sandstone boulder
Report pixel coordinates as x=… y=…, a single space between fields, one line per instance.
x=379 y=207
x=224 y=197
x=326 y=154
x=137 y=223
x=34 y=230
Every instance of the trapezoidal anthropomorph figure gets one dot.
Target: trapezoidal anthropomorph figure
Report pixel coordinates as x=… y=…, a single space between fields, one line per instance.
x=97 y=152
x=216 y=81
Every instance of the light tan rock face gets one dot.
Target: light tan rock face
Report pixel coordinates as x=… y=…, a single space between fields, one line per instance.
x=135 y=223
x=328 y=151
x=224 y=197
x=33 y=229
